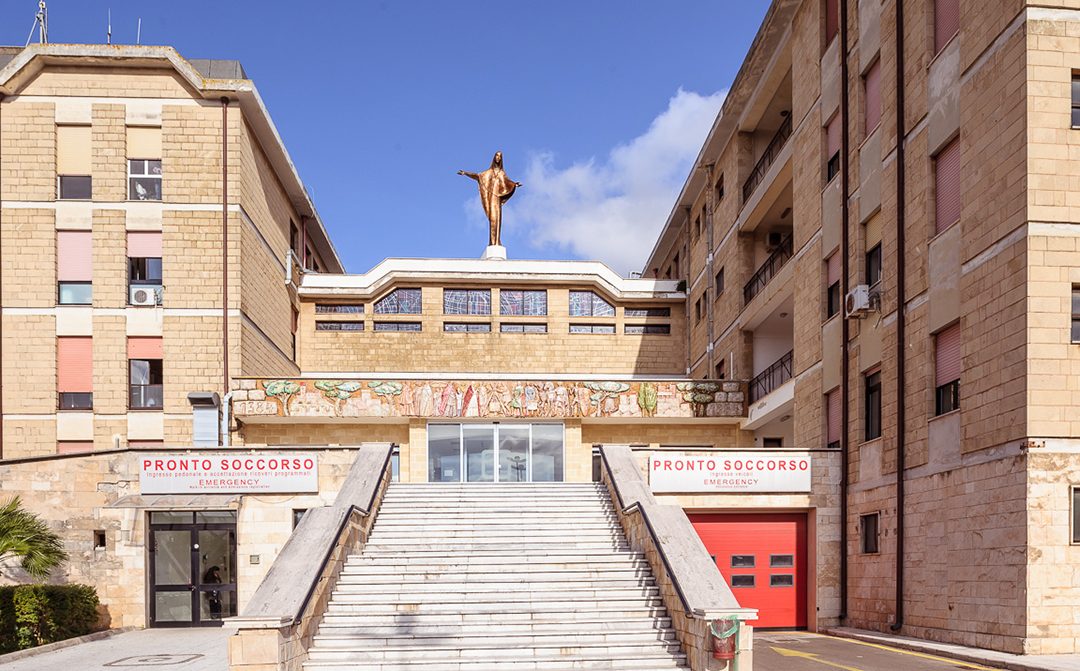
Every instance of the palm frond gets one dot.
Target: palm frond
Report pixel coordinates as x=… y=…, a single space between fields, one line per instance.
x=26 y=536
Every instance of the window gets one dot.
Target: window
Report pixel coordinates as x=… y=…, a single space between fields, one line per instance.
x=781 y=561
x=1076 y=515
x=466 y=327
x=721 y=369
x=742 y=581
x=73 y=163
x=144 y=268
x=519 y=302
x=295 y=325
x=144 y=180
x=1076 y=101
x=588 y=304
x=868 y=533
x=339 y=326
x=832 y=419
x=1076 y=313
x=697 y=310
x=145 y=377
x=523 y=328
x=73 y=446
x=947 y=186
x=948 y=362
x=503 y=452
x=946 y=22
x=99 y=539
x=718 y=282
x=872 y=424
x=832 y=20
x=294 y=237
x=592 y=328
x=782 y=580
x=647 y=329
x=832 y=278
x=75 y=373
x=872 y=97
x=873 y=265
x=339 y=309
x=832 y=148
x=675 y=264
x=742 y=561
x=73 y=268
x=719 y=189
x=648 y=312
x=395 y=464
x=399 y=302
x=467 y=301
x=697 y=226
x=398 y=326
x=772 y=442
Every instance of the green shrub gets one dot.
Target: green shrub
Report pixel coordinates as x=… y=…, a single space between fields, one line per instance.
x=32 y=615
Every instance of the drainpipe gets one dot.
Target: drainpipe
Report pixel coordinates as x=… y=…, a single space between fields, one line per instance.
x=225 y=243
x=845 y=333
x=684 y=270
x=226 y=407
x=901 y=320
x=710 y=196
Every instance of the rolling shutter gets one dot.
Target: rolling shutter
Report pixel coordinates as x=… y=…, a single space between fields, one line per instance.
x=74 y=364
x=948 y=356
x=73 y=256
x=947 y=186
x=144 y=348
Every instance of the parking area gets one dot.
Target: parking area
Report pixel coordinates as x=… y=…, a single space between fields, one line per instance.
x=202 y=649
x=801 y=651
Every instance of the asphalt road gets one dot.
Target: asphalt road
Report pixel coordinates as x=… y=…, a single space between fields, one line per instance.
x=801 y=651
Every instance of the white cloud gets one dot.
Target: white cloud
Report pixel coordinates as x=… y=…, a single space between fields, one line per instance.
x=612 y=209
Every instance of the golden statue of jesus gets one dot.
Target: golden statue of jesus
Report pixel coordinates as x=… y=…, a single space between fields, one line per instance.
x=495 y=189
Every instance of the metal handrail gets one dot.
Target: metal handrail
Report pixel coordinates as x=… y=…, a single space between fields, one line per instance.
x=768 y=270
x=652 y=533
x=765 y=162
x=772 y=377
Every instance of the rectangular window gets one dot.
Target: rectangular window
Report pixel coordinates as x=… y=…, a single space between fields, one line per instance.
x=399 y=302
x=523 y=328
x=719 y=189
x=868 y=533
x=647 y=329
x=873 y=265
x=832 y=419
x=1076 y=101
x=503 y=452
x=294 y=237
x=742 y=561
x=781 y=561
x=1076 y=515
x=144 y=180
x=697 y=226
x=339 y=326
x=588 y=304
x=467 y=301
x=73 y=163
x=948 y=363
x=742 y=581
x=872 y=97
x=467 y=327
x=145 y=380
x=832 y=148
x=947 y=202
x=675 y=264
x=339 y=308
x=601 y=329
x=872 y=423
x=721 y=369
x=772 y=442
x=946 y=22
x=832 y=20
x=697 y=310
x=398 y=326
x=718 y=282
x=833 y=270
x=782 y=580
x=75 y=373
x=647 y=312
x=144 y=268
x=1075 y=336
x=74 y=446
x=74 y=267
x=524 y=303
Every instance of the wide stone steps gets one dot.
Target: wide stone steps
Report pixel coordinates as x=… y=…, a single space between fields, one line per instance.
x=490 y=577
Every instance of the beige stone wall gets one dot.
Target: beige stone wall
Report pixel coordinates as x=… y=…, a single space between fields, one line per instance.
x=432 y=350
x=28 y=130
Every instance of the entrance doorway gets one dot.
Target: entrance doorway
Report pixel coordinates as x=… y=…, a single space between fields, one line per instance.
x=192 y=568
x=495 y=452
x=763 y=558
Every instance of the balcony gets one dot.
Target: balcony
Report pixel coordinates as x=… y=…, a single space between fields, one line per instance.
x=772 y=151
x=768 y=270
x=772 y=377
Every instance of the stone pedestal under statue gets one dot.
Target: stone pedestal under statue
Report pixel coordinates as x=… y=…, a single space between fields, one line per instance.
x=494 y=253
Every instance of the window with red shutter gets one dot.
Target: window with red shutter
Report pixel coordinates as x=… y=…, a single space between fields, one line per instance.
x=872 y=97
x=74 y=268
x=832 y=20
x=832 y=419
x=946 y=22
x=75 y=373
x=832 y=147
x=948 y=364
x=947 y=186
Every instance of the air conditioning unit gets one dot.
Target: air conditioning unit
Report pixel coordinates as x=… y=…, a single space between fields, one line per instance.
x=144 y=296
x=857 y=303
x=774 y=239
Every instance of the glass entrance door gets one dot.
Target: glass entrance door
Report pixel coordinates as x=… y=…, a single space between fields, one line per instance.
x=192 y=568
x=495 y=452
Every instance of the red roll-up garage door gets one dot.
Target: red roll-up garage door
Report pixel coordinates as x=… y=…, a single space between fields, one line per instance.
x=763 y=558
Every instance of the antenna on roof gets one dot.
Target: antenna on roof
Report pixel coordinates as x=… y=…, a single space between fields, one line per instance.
x=138 y=32
x=108 y=29
x=41 y=22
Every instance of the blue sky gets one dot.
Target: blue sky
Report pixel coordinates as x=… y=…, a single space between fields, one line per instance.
x=598 y=106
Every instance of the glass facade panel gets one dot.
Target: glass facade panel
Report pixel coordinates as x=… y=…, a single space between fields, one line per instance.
x=479 y=443
x=172 y=558
x=399 y=302
x=547 y=453
x=444 y=453
x=172 y=606
x=513 y=453
x=495 y=452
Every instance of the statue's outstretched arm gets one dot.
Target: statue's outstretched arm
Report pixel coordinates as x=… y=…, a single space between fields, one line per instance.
x=471 y=175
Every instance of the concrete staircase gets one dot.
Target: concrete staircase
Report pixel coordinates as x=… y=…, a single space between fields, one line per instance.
x=484 y=577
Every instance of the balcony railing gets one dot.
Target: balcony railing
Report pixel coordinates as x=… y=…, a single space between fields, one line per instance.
x=776 y=144
x=768 y=270
x=772 y=377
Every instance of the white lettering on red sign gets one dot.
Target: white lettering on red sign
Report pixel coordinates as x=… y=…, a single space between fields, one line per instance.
x=730 y=472
x=228 y=473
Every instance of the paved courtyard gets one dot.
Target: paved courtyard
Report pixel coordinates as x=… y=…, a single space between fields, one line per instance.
x=165 y=649
x=799 y=651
